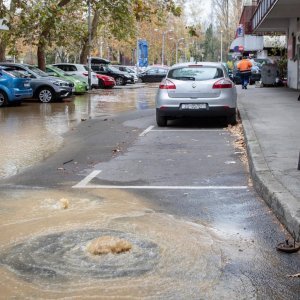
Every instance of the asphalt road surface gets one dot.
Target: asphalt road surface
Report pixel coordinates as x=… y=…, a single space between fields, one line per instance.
x=180 y=195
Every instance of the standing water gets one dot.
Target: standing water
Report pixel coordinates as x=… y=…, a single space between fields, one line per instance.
x=31 y=132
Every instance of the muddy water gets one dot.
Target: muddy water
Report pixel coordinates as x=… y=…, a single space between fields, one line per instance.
x=33 y=131
x=44 y=252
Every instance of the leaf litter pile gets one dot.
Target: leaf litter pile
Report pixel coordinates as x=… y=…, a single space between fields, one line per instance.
x=240 y=144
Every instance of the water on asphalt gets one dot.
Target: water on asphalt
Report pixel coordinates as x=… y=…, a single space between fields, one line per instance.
x=31 y=132
x=210 y=244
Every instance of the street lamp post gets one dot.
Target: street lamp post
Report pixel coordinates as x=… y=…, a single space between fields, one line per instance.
x=90 y=41
x=177 y=43
x=101 y=48
x=163 y=44
x=137 y=49
x=221 y=56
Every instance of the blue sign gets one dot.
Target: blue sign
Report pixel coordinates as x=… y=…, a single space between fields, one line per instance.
x=240 y=31
x=143 y=53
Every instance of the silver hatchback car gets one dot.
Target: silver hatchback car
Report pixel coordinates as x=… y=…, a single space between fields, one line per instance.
x=195 y=90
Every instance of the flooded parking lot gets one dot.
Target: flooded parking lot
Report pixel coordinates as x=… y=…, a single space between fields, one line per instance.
x=179 y=196
x=31 y=132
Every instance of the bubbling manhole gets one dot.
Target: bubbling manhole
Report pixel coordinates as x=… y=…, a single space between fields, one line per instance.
x=108 y=244
x=64 y=256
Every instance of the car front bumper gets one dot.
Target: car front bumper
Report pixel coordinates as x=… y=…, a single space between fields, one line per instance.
x=64 y=92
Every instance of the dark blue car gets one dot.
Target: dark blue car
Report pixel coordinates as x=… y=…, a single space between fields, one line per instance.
x=14 y=87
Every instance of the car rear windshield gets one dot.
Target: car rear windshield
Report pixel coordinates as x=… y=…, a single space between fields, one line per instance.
x=196 y=73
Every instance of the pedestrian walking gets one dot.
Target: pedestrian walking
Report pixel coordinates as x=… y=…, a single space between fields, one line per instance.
x=244 y=66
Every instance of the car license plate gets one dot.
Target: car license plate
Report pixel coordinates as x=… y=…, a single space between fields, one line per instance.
x=27 y=84
x=73 y=89
x=194 y=106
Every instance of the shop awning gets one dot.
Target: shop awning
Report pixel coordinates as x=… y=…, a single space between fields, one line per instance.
x=237 y=45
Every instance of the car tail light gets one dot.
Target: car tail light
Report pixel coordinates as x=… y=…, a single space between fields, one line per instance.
x=86 y=74
x=167 y=85
x=223 y=84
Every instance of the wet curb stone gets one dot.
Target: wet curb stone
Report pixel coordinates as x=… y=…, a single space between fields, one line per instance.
x=285 y=206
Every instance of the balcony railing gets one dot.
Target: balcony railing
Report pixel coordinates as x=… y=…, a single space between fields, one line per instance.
x=261 y=11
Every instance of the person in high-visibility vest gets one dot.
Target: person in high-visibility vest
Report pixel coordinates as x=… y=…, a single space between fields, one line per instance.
x=244 y=66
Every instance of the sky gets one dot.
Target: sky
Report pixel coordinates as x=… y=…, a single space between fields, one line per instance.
x=204 y=16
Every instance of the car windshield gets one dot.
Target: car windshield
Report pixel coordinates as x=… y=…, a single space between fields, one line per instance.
x=196 y=73
x=37 y=71
x=57 y=70
x=86 y=68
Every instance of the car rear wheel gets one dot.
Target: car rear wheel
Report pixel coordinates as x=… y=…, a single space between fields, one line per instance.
x=45 y=95
x=3 y=99
x=232 y=120
x=119 y=81
x=161 y=120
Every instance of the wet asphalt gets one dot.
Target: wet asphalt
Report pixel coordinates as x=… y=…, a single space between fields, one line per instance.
x=190 y=172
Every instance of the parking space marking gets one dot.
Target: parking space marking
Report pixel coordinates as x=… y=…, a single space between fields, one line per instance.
x=188 y=130
x=146 y=130
x=150 y=129
x=85 y=184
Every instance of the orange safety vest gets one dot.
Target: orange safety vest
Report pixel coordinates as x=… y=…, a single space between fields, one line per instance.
x=244 y=65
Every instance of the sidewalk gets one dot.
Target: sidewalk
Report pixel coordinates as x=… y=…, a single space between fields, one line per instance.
x=271 y=121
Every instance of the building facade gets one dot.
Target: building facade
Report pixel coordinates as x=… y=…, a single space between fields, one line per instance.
x=281 y=17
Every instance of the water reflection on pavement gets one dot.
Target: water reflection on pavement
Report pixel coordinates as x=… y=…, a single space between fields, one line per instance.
x=31 y=132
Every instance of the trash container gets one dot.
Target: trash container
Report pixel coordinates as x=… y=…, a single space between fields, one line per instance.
x=269 y=73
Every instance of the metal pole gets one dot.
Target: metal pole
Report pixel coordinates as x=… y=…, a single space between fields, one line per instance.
x=89 y=46
x=176 y=51
x=163 y=49
x=221 y=46
x=137 y=49
x=299 y=162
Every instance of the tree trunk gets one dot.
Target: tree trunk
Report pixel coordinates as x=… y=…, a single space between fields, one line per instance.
x=41 y=57
x=41 y=50
x=84 y=52
x=85 y=48
x=2 y=49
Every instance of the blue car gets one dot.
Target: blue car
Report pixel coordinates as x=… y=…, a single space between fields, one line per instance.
x=14 y=87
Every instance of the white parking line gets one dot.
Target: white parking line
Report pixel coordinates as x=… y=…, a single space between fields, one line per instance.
x=162 y=187
x=189 y=130
x=84 y=184
x=150 y=128
x=146 y=130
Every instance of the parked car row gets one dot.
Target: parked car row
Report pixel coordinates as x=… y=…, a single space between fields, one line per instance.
x=44 y=87
x=21 y=81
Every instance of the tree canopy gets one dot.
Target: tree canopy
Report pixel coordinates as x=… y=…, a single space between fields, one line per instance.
x=60 y=27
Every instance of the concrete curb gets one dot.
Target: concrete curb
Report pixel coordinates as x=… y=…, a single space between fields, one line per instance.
x=285 y=206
